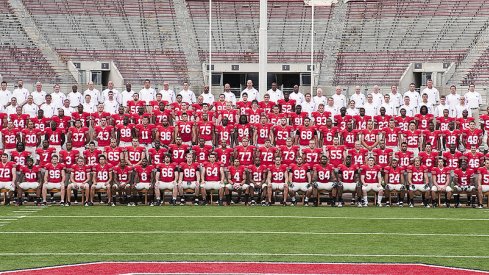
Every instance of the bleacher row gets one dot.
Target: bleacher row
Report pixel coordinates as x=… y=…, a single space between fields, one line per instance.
x=379 y=40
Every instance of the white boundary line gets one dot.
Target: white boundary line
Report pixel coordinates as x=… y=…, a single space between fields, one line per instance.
x=243 y=232
x=239 y=254
x=269 y=263
x=257 y=217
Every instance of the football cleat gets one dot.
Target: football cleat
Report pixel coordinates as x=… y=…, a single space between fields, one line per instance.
x=411 y=205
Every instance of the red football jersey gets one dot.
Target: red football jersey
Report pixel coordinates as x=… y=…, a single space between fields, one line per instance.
x=428 y=160
x=474 y=160
x=267 y=155
x=278 y=173
x=165 y=134
x=349 y=138
x=263 y=132
x=68 y=158
x=336 y=154
x=20 y=158
x=347 y=173
x=237 y=174
x=114 y=155
x=202 y=153
x=413 y=138
x=205 y=130
x=78 y=136
x=44 y=156
x=245 y=154
x=320 y=118
x=289 y=154
x=185 y=130
x=417 y=173
x=168 y=171
x=371 y=174
x=31 y=137
x=157 y=156
x=257 y=174
x=125 y=132
x=423 y=121
x=382 y=157
x=91 y=156
x=442 y=175
x=102 y=172
x=6 y=171
x=30 y=174
x=328 y=134
x=189 y=171
x=463 y=177
x=10 y=138
x=224 y=155
x=312 y=156
x=80 y=173
x=484 y=174
x=358 y=157
x=212 y=171
x=392 y=136
x=134 y=155
x=305 y=134
x=404 y=158
x=394 y=174
x=299 y=173
x=324 y=173
x=54 y=172
x=123 y=175
x=144 y=173
x=281 y=134
x=452 y=159
x=145 y=133
x=178 y=152
x=224 y=133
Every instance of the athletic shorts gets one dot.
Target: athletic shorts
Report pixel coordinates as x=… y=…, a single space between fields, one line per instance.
x=395 y=187
x=466 y=188
x=372 y=187
x=52 y=185
x=28 y=185
x=419 y=187
x=7 y=185
x=278 y=186
x=349 y=186
x=231 y=187
x=300 y=186
x=100 y=185
x=447 y=189
x=142 y=186
x=328 y=186
x=165 y=185
x=213 y=185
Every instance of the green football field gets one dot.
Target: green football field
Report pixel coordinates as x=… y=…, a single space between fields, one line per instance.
x=54 y=235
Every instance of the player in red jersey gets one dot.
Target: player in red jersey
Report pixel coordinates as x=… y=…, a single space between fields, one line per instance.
x=267 y=153
x=336 y=153
x=324 y=179
x=428 y=156
x=114 y=153
x=413 y=138
x=167 y=175
x=243 y=129
x=225 y=132
x=320 y=116
x=224 y=154
x=211 y=115
x=54 y=178
x=31 y=137
x=245 y=153
x=403 y=120
x=205 y=130
x=405 y=157
x=189 y=179
x=79 y=179
x=262 y=131
x=56 y=136
x=236 y=181
x=423 y=119
x=278 y=177
x=220 y=104
x=44 y=154
x=483 y=181
x=161 y=113
x=342 y=119
x=276 y=117
x=103 y=133
x=394 y=181
x=281 y=132
x=8 y=176
x=289 y=152
x=229 y=113
x=382 y=120
x=185 y=130
x=452 y=157
x=41 y=122
x=371 y=181
x=98 y=115
x=451 y=137
x=441 y=182
x=118 y=119
x=78 y=136
x=132 y=105
x=297 y=118
x=165 y=133
x=19 y=156
x=258 y=174
x=287 y=105
x=418 y=181
x=212 y=178
x=101 y=179
x=68 y=156
x=91 y=154
x=266 y=105
x=472 y=136
x=475 y=159
x=361 y=120
x=300 y=180
x=443 y=122
x=382 y=154
x=359 y=154
x=392 y=136
x=243 y=105
x=369 y=136
x=29 y=179
x=201 y=151
x=125 y=133
x=431 y=136
x=143 y=178
x=135 y=153
x=145 y=133
x=349 y=136
x=305 y=134
x=122 y=184
x=464 y=179
x=19 y=119
x=464 y=121
x=327 y=133
x=311 y=155
x=82 y=116
x=10 y=137
x=157 y=153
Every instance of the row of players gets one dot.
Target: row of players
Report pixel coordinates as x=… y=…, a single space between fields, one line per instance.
x=415 y=131
x=255 y=180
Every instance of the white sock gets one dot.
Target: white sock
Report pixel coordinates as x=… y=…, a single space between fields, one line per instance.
x=365 y=199
x=379 y=199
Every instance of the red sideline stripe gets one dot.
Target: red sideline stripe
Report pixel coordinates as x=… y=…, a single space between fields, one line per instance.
x=116 y=268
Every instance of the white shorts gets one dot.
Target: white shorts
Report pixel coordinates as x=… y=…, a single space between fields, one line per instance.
x=188 y=184
x=7 y=185
x=395 y=187
x=485 y=188
x=142 y=186
x=100 y=185
x=28 y=185
x=447 y=189
x=352 y=187
x=461 y=189
x=165 y=185
x=372 y=187
x=78 y=185
x=419 y=187
x=52 y=185
x=325 y=186
x=213 y=185
x=302 y=186
x=278 y=186
x=230 y=187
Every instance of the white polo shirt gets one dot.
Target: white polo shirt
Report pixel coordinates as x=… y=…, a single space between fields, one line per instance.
x=252 y=93
x=147 y=94
x=30 y=109
x=359 y=99
x=38 y=97
x=168 y=96
x=75 y=99
x=188 y=96
x=339 y=100
x=473 y=99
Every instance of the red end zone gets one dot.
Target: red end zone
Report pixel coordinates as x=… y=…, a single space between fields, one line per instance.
x=117 y=268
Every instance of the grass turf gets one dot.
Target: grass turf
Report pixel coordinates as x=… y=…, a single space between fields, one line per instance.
x=218 y=233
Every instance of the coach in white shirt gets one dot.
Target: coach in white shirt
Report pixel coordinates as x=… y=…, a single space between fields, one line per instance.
x=110 y=104
x=12 y=106
x=94 y=93
x=462 y=107
x=319 y=98
x=75 y=97
x=251 y=91
x=147 y=93
x=229 y=95
x=38 y=95
x=453 y=99
x=167 y=94
x=67 y=108
x=29 y=107
x=410 y=110
x=88 y=105
x=187 y=95
x=425 y=102
x=308 y=105
x=20 y=93
x=378 y=98
x=415 y=98
x=5 y=96
x=444 y=106
x=432 y=92
x=296 y=95
x=48 y=107
x=474 y=100
x=395 y=97
x=339 y=98
x=207 y=96
x=110 y=87
x=127 y=95
x=370 y=108
x=275 y=93
x=330 y=107
x=57 y=96
x=358 y=97
x=390 y=108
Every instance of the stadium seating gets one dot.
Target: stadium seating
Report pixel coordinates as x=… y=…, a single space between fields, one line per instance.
x=479 y=73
